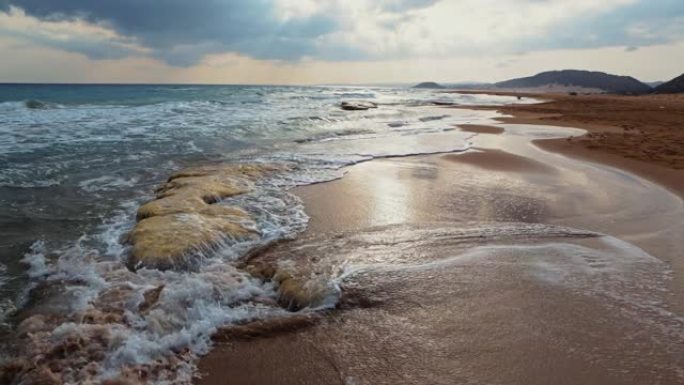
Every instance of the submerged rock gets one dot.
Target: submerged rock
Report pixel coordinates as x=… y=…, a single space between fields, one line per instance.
x=294 y=293
x=357 y=105
x=186 y=218
x=34 y=104
x=150 y=298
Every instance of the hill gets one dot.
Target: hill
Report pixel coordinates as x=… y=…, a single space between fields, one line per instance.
x=580 y=79
x=674 y=86
x=428 y=85
x=470 y=86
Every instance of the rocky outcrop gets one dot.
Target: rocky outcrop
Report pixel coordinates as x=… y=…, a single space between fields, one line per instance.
x=294 y=293
x=186 y=219
x=166 y=241
x=357 y=105
x=444 y=103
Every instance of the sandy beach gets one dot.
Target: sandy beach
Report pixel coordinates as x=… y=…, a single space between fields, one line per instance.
x=642 y=134
x=530 y=259
x=363 y=192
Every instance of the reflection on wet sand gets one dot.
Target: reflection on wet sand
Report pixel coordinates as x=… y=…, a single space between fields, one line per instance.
x=427 y=305
x=455 y=272
x=480 y=129
x=500 y=161
x=391 y=204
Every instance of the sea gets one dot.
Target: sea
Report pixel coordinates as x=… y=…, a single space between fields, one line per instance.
x=76 y=161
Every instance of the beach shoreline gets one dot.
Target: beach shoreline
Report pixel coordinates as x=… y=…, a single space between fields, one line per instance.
x=641 y=134
x=424 y=192
x=390 y=253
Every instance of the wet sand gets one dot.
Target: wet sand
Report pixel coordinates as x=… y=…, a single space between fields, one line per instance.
x=481 y=129
x=455 y=271
x=642 y=134
x=499 y=160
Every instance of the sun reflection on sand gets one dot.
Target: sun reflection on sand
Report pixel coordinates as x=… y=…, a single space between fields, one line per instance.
x=390 y=200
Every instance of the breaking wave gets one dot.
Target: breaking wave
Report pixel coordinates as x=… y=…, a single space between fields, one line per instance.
x=87 y=314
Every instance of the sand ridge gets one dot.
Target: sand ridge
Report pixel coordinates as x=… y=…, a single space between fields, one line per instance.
x=480 y=129
x=499 y=160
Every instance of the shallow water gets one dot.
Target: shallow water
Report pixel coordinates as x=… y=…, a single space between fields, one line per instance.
x=504 y=304
x=459 y=272
x=72 y=156
x=445 y=270
x=76 y=162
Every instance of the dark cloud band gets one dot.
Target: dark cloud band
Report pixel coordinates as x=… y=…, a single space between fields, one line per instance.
x=181 y=32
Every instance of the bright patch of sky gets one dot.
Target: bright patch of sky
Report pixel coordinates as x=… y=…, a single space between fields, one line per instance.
x=194 y=39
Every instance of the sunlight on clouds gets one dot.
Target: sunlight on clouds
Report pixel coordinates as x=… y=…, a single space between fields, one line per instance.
x=333 y=30
x=449 y=27
x=17 y=20
x=33 y=63
x=343 y=41
x=72 y=35
x=292 y=9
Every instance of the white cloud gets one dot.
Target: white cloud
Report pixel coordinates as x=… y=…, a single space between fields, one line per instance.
x=294 y=9
x=74 y=35
x=32 y=63
x=367 y=41
x=450 y=28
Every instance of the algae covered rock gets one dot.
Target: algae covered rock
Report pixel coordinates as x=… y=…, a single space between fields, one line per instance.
x=185 y=204
x=167 y=241
x=186 y=219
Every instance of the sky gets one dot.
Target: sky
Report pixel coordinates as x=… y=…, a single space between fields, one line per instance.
x=335 y=41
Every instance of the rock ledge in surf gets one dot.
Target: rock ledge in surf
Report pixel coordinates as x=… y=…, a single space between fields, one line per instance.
x=186 y=218
x=357 y=105
x=294 y=292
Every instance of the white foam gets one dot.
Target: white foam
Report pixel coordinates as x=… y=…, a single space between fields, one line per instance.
x=105 y=183
x=191 y=307
x=35 y=259
x=616 y=272
x=194 y=304
x=7 y=306
x=113 y=229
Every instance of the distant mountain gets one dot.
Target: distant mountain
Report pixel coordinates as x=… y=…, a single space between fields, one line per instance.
x=674 y=86
x=580 y=79
x=655 y=84
x=470 y=86
x=428 y=85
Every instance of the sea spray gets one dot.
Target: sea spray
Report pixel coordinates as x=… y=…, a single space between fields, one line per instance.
x=84 y=316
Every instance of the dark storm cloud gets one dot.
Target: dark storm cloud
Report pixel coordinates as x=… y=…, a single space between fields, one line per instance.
x=182 y=31
x=111 y=49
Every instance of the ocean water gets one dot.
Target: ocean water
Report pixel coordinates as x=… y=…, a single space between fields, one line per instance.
x=76 y=161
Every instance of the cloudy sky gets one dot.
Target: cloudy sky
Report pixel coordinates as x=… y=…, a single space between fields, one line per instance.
x=334 y=41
